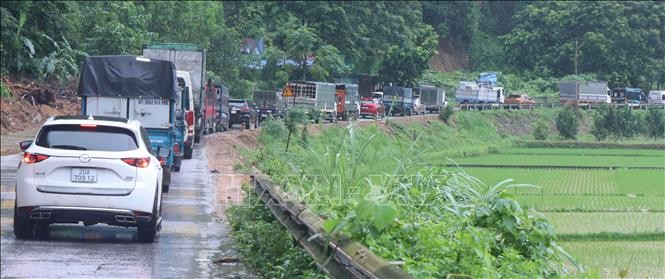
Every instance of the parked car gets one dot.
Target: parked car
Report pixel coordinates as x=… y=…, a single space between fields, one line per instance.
x=518 y=99
x=242 y=113
x=89 y=169
x=371 y=107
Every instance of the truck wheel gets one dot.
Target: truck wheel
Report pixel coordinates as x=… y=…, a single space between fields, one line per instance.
x=166 y=179
x=188 y=153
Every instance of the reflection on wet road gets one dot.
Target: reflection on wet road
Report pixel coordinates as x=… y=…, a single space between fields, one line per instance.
x=192 y=237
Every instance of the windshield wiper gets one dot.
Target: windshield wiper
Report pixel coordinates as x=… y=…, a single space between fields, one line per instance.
x=72 y=147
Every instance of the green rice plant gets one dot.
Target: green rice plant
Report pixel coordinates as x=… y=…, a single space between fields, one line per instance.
x=581 y=203
x=585 y=152
x=607 y=222
x=589 y=182
x=610 y=259
x=559 y=160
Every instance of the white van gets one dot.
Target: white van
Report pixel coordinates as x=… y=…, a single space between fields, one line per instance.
x=656 y=97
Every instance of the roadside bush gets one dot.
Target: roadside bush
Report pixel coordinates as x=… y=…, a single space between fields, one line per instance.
x=568 y=122
x=273 y=128
x=446 y=114
x=654 y=121
x=602 y=122
x=4 y=91
x=541 y=130
x=621 y=122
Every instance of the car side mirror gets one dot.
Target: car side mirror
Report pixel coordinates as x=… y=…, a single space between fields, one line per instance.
x=25 y=144
x=163 y=152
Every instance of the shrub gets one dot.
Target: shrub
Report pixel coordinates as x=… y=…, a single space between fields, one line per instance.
x=655 y=122
x=568 y=122
x=273 y=129
x=602 y=122
x=541 y=131
x=4 y=91
x=446 y=114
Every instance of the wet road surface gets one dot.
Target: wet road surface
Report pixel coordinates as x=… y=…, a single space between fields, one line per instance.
x=191 y=239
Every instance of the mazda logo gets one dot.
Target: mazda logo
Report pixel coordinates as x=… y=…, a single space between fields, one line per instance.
x=84 y=158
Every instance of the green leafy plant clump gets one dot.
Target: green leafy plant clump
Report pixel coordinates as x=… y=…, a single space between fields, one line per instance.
x=373 y=187
x=265 y=246
x=568 y=122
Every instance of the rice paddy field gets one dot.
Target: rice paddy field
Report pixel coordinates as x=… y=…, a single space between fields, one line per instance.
x=607 y=205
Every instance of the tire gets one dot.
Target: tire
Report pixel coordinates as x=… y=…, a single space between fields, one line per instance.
x=197 y=137
x=166 y=179
x=22 y=226
x=247 y=125
x=147 y=233
x=188 y=153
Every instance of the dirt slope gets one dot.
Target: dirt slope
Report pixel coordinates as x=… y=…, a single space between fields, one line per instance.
x=32 y=103
x=449 y=59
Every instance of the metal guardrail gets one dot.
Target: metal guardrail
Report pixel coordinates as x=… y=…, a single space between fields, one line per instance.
x=341 y=258
x=547 y=106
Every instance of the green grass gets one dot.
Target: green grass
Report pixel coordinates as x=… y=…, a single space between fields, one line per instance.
x=606 y=222
x=557 y=160
x=641 y=259
x=578 y=181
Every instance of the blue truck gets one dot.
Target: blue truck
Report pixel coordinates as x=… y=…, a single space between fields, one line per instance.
x=134 y=88
x=398 y=100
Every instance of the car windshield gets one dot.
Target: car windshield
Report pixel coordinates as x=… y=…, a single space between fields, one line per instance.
x=75 y=137
x=233 y=103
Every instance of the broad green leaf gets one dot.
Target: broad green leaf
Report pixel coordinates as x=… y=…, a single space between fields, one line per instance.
x=365 y=209
x=384 y=215
x=330 y=224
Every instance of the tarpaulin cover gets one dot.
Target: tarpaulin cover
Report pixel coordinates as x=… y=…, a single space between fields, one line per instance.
x=128 y=76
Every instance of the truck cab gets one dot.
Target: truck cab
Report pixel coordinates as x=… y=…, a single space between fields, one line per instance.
x=185 y=113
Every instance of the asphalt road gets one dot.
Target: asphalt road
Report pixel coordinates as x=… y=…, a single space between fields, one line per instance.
x=190 y=243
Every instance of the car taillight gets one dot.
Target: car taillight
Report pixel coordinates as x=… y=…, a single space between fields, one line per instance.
x=137 y=162
x=190 y=118
x=244 y=109
x=176 y=148
x=162 y=161
x=30 y=158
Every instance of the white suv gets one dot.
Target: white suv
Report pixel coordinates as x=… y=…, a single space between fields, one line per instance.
x=91 y=170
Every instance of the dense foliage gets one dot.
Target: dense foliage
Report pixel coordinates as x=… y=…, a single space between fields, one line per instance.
x=378 y=188
x=265 y=246
x=568 y=122
x=624 y=122
x=533 y=43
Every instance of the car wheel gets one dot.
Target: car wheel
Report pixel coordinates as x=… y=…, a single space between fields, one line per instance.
x=148 y=232
x=247 y=125
x=197 y=137
x=22 y=226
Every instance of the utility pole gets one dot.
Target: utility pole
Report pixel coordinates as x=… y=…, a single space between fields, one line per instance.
x=576 y=53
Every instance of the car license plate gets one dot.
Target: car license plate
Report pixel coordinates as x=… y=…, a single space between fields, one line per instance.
x=86 y=175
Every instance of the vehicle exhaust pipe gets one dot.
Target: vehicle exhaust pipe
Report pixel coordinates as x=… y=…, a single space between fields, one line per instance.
x=40 y=215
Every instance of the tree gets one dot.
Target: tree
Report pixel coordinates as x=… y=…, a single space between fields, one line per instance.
x=568 y=122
